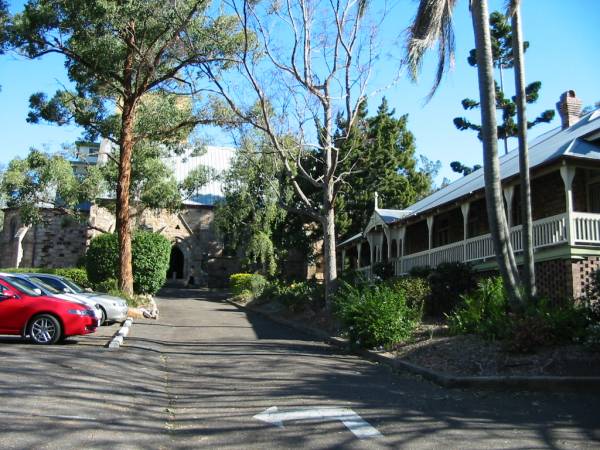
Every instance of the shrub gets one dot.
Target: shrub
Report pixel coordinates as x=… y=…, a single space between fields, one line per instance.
x=375 y=315
x=102 y=258
x=484 y=312
x=76 y=275
x=543 y=324
x=415 y=289
x=107 y=286
x=252 y=283
x=420 y=271
x=150 y=260
x=448 y=282
x=384 y=270
x=299 y=296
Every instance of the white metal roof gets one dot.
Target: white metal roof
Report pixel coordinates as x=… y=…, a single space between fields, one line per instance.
x=217 y=158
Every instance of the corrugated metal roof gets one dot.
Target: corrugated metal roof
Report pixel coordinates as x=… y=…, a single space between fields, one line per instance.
x=217 y=158
x=392 y=215
x=544 y=149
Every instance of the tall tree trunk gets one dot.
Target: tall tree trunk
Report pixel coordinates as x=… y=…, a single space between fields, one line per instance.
x=330 y=263
x=126 y=142
x=123 y=184
x=521 y=101
x=491 y=165
x=505 y=138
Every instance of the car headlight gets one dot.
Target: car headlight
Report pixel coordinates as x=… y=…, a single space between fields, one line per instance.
x=82 y=312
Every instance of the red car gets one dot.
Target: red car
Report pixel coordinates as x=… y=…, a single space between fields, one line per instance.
x=46 y=320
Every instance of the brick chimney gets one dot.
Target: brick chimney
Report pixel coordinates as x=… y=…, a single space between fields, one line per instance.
x=569 y=109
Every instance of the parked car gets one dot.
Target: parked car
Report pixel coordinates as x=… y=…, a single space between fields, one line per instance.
x=52 y=292
x=45 y=320
x=114 y=309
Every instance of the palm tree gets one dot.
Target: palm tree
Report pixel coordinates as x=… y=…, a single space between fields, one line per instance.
x=527 y=227
x=433 y=24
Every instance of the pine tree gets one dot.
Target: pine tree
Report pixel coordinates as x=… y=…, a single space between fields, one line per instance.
x=382 y=151
x=502 y=54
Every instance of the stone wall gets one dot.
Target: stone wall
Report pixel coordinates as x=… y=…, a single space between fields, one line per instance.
x=58 y=241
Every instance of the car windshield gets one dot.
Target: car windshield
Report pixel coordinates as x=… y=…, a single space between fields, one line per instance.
x=76 y=288
x=46 y=287
x=24 y=286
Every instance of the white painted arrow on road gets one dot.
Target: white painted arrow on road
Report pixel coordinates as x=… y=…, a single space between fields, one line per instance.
x=360 y=427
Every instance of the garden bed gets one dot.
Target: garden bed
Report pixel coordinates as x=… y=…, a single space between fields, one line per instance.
x=470 y=355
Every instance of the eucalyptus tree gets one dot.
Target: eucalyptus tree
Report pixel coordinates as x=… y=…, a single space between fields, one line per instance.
x=303 y=62
x=123 y=56
x=433 y=24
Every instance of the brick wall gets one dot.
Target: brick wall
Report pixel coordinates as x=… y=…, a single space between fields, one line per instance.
x=582 y=271
x=562 y=279
x=554 y=279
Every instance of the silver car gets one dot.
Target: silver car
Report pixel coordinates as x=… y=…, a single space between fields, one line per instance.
x=114 y=309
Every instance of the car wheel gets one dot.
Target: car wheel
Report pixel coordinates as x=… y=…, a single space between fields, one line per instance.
x=103 y=318
x=45 y=330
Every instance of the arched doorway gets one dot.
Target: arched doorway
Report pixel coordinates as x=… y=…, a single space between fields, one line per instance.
x=175 y=264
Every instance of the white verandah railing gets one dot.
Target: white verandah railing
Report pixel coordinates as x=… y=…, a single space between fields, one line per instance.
x=585 y=230
x=546 y=232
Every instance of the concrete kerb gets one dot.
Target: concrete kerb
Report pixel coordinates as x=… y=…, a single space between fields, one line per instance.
x=117 y=340
x=534 y=383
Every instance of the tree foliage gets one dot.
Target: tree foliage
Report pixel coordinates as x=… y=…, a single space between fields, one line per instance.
x=252 y=217
x=125 y=58
x=459 y=167
x=45 y=180
x=381 y=158
x=502 y=54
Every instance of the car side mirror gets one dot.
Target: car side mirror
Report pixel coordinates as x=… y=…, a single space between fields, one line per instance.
x=66 y=290
x=88 y=290
x=38 y=291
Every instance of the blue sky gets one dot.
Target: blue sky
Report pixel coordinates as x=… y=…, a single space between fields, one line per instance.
x=564 y=54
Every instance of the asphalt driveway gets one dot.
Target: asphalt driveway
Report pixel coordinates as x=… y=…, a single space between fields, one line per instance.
x=197 y=377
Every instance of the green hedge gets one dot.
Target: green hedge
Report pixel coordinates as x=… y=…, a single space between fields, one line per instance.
x=102 y=258
x=244 y=283
x=151 y=253
x=150 y=260
x=75 y=274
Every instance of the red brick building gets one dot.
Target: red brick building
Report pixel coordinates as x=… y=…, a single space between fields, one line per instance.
x=451 y=224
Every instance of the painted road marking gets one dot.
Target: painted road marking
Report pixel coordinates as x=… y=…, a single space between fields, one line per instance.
x=360 y=427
